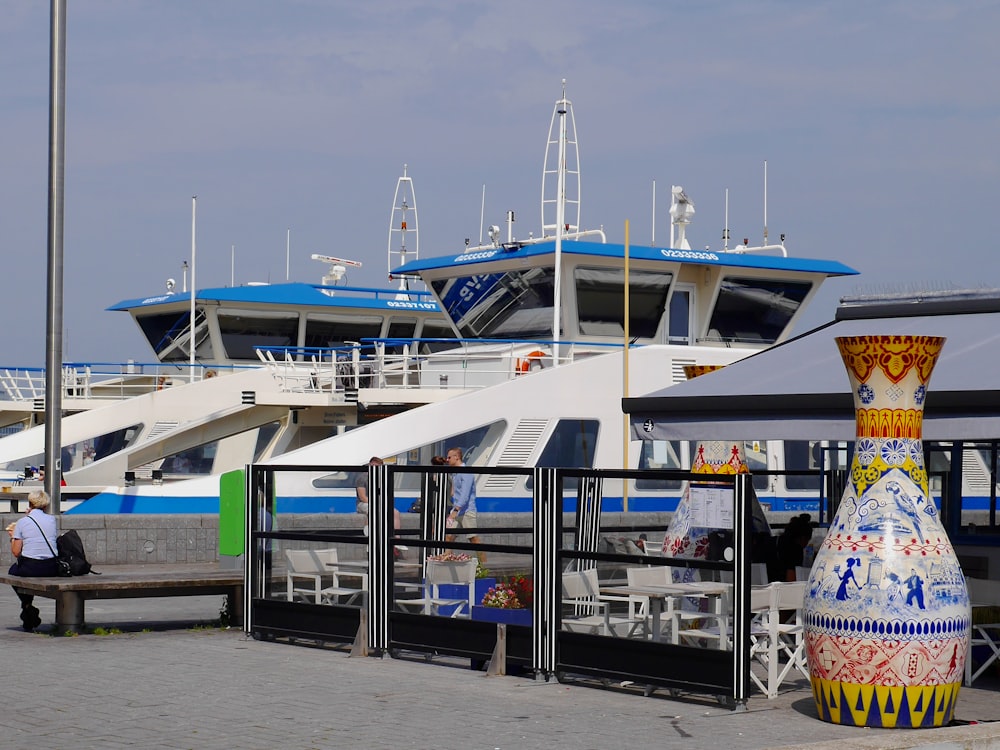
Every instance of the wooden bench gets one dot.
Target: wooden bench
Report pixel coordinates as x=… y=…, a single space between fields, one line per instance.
x=132 y=582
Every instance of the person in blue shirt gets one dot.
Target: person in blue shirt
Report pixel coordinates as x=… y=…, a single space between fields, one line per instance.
x=33 y=545
x=463 y=501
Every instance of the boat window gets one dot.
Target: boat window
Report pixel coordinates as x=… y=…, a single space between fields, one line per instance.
x=69 y=459
x=243 y=331
x=755 y=452
x=511 y=305
x=477 y=446
x=572 y=444
x=165 y=331
x=750 y=310
x=679 y=320
x=660 y=454
x=326 y=329
x=112 y=442
x=803 y=455
x=264 y=437
x=84 y=452
x=600 y=301
x=196 y=461
x=400 y=328
x=436 y=329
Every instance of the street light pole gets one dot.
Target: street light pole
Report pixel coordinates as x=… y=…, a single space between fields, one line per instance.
x=54 y=280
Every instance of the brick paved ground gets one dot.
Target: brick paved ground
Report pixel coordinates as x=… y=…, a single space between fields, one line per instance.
x=184 y=687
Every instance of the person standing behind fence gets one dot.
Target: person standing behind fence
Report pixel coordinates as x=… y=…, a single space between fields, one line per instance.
x=33 y=544
x=361 y=491
x=463 y=501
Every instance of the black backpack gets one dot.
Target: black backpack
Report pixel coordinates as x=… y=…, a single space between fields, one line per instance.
x=70 y=549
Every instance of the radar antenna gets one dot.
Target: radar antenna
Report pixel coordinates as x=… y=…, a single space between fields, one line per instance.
x=681 y=211
x=403 y=222
x=337 y=270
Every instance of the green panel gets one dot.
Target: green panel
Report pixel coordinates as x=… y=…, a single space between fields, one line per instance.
x=232 y=513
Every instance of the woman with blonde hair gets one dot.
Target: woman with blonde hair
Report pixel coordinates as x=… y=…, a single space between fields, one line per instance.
x=33 y=544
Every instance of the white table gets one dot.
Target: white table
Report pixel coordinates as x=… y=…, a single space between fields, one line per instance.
x=662 y=597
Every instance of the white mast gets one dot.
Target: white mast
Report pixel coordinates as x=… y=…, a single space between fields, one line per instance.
x=562 y=170
x=563 y=162
x=194 y=288
x=403 y=222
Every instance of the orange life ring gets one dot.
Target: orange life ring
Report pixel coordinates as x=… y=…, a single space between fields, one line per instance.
x=532 y=361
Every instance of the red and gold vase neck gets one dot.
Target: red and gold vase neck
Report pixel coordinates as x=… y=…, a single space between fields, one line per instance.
x=694 y=371
x=889 y=377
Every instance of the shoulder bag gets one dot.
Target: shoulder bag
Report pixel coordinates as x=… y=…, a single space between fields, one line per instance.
x=63 y=565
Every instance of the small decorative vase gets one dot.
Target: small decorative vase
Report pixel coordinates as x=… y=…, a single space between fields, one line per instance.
x=886 y=609
x=685 y=536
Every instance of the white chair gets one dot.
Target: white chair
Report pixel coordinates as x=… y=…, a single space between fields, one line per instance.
x=778 y=646
x=764 y=640
x=712 y=625
x=591 y=610
x=791 y=633
x=641 y=607
x=315 y=568
x=441 y=572
x=985 y=597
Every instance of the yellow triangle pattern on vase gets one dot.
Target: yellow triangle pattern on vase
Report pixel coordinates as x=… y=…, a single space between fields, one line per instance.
x=890 y=707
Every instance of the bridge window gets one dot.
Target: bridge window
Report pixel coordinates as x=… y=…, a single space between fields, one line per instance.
x=600 y=301
x=327 y=330
x=510 y=305
x=436 y=329
x=243 y=331
x=160 y=330
x=750 y=310
x=400 y=328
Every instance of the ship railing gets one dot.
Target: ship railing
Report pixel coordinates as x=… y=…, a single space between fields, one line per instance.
x=102 y=381
x=415 y=364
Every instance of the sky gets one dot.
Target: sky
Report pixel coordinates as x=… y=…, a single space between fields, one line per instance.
x=291 y=121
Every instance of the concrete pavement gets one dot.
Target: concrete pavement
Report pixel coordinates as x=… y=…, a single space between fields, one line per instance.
x=184 y=687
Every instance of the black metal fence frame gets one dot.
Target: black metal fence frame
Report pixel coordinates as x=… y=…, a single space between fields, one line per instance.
x=545 y=649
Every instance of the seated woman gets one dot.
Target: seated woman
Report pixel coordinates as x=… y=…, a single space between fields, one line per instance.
x=33 y=544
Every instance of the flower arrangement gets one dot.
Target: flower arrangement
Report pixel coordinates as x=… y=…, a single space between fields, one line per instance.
x=516 y=592
x=450 y=557
x=502 y=596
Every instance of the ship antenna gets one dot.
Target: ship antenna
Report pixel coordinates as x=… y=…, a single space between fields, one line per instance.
x=765 y=202
x=403 y=221
x=725 y=228
x=482 y=215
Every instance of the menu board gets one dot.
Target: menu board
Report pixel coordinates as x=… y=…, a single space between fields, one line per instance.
x=711 y=506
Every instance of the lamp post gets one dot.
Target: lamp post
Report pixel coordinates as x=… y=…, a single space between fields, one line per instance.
x=54 y=280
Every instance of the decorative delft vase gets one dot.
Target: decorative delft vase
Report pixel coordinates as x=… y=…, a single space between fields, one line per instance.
x=684 y=537
x=886 y=610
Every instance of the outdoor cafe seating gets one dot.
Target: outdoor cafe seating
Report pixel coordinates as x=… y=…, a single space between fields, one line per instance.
x=589 y=610
x=315 y=574
x=984 y=645
x=441 y=573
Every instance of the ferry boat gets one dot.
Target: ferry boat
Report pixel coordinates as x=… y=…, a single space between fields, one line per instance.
x=241 y=373
x=537 y=374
